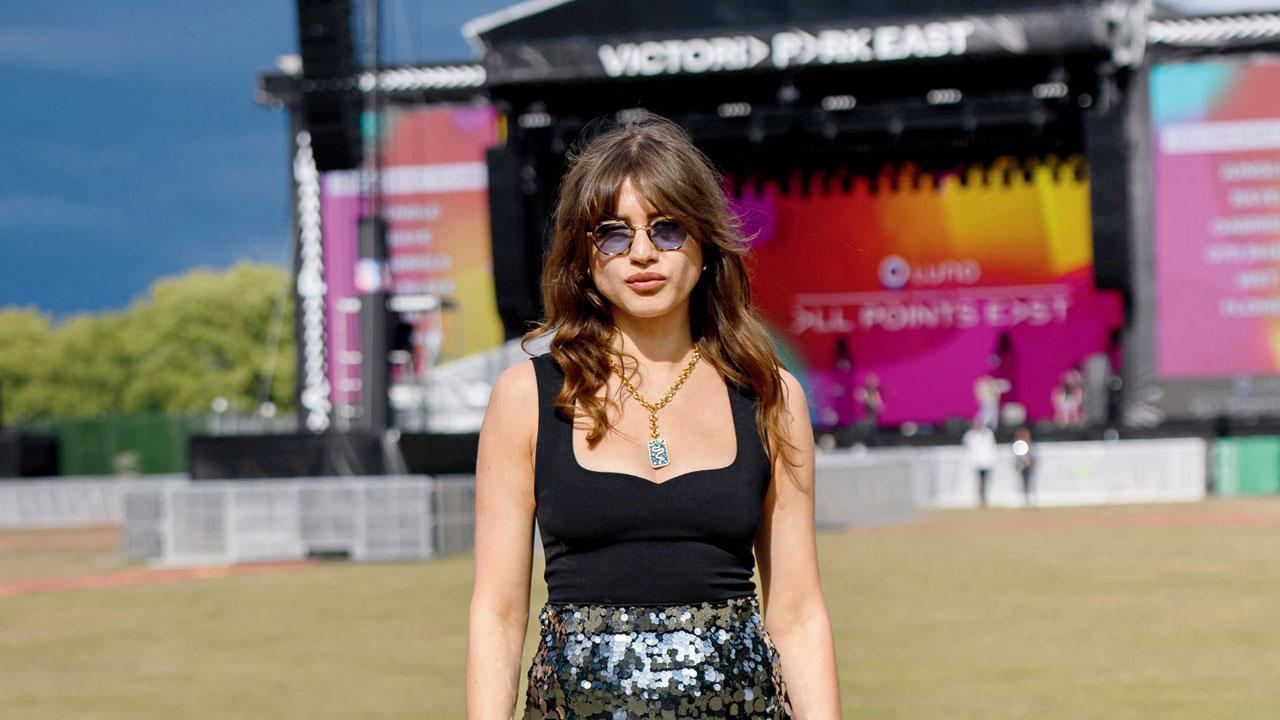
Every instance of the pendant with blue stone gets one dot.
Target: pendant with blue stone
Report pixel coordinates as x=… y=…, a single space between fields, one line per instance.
x=658 y=456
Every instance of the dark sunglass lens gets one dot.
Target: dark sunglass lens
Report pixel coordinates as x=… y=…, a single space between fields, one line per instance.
x=613 y=239
x=668 y=234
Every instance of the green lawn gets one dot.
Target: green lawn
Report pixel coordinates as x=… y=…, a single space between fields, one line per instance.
x=1119 y=612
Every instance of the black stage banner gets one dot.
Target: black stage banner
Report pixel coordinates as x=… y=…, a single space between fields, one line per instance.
x=540 y=57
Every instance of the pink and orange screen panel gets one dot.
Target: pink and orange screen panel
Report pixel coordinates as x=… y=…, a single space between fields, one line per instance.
x=929 y=282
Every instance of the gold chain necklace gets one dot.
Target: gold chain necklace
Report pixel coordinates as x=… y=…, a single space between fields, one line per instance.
x=659 y=455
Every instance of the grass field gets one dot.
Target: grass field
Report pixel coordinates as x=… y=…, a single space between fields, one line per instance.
x=1117 y=612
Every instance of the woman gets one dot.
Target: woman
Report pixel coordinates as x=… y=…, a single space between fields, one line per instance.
x=638 y=443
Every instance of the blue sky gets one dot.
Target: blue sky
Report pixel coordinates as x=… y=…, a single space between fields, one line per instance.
x=130 y=145
x=131 y=148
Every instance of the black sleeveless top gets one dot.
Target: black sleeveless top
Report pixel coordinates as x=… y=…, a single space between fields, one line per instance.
x=621 y=539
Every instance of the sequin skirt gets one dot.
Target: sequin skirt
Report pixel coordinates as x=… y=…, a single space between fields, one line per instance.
x=616 y=662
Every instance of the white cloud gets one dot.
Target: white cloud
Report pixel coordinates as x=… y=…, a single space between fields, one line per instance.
x=272 y=247
x=30 y=210
x=78 y=160
x=92 y=52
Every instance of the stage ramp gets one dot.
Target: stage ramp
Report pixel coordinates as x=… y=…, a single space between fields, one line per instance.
x=452 y=397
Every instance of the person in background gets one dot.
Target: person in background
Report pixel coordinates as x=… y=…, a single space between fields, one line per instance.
x=871 y=400
x=1024 y=461
x=843 y=407
x=980 y=445
x=987 y=391
x=1059 y=397
x=1075 y=394
x=1068 y=400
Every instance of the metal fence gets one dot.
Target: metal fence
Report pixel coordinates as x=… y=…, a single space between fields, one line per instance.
x=373 y=518
x=858 y=490
x=1066 y=473
x=63 y=502
x=174 y=521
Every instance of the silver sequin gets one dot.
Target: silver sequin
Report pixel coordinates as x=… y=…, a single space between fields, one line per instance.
x=610 y=662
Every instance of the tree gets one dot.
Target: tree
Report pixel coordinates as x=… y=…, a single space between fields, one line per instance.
x=85 y=373
x=25 y=348
x=194 y=337
x=205 y=335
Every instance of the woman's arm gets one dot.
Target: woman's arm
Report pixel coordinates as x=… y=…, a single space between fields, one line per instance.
x=787 y=556
x=503 y=545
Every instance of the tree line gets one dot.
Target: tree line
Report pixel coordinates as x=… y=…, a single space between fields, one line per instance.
x=192 y=338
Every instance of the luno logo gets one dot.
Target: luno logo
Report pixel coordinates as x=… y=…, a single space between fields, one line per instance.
x=896 y=273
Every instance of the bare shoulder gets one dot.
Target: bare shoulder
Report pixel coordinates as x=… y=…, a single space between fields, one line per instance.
x=796 y=399
x=515 y=392
x=799 y=427
x=513 y=405
x=517 y=382
x=797 y=461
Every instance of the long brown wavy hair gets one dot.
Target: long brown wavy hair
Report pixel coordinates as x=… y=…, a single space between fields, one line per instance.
x=669 y=171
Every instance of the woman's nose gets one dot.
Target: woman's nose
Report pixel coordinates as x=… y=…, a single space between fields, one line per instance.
x=643 y=249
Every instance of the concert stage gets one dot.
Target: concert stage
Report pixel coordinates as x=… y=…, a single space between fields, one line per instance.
x=932 y=195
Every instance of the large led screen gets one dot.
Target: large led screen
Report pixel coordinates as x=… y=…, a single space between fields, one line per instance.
x=929 y=282
x=1216 y=155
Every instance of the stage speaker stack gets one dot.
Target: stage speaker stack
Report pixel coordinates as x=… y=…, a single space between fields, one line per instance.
x=25 y=454
x=10 y=446
x=331 y=102
x=375 y=375
x=10 y=454
x=1110 y=194
x=516 y=261
x=1097 y=376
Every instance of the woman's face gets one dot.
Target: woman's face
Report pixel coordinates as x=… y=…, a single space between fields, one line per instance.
x=620 y=278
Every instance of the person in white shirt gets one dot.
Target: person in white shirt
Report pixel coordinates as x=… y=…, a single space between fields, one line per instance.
x=980 y=444
x=987 y=391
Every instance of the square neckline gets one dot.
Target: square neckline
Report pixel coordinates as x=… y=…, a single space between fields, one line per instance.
x=737 y=451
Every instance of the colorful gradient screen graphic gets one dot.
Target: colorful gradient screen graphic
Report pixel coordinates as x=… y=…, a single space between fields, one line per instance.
x=1216 y=140
x=930 y=282
x=436 y=204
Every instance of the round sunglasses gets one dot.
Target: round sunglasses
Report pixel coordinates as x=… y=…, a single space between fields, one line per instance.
x=614 y=237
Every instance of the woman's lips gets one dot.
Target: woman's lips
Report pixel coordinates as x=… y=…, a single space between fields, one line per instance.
x=646 y=284
x=645 y=281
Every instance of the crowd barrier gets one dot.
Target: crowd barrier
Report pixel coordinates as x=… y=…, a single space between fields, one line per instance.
x=373 y=518
x=64 y=501
x=174 y=521
x=860 y=490
x=1066 y=473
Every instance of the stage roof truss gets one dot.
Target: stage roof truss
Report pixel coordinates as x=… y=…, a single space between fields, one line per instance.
x=432 y=82
x=1215 y=32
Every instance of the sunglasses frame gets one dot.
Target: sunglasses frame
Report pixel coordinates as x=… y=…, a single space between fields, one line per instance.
x=648 y=229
